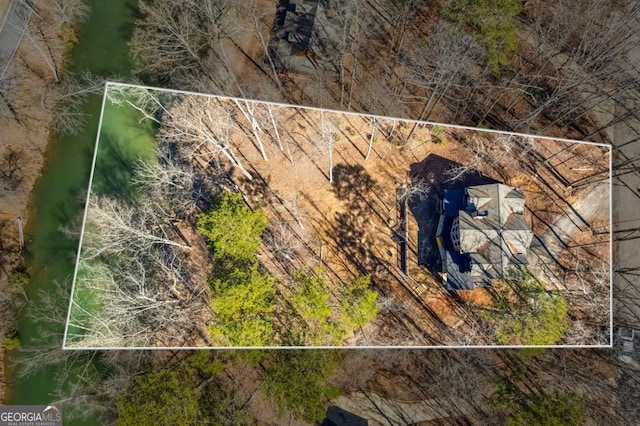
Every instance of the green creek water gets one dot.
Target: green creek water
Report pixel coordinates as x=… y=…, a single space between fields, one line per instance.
x=102 y=50
x=124 y=140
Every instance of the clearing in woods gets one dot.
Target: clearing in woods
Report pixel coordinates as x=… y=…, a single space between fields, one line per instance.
x=346 y=197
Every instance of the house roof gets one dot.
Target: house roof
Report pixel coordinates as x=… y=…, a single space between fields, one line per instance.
x=464 y=273
x=337 y=416
x=453 y=201
x=298 y=24
x=498 y=200
x=493 y=234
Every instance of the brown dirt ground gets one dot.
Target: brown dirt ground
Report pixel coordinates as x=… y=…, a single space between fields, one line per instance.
x=364 y=243
x=198 y=265
x=244 y=383
x=4 y=4
x=348 y=225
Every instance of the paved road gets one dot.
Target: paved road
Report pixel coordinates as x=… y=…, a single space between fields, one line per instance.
x=626 y=215
x=13 y=27
x=386 y=412
x=625 y=136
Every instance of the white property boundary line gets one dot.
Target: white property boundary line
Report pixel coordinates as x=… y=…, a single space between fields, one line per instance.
x=84 y=216
x=611 y=246
x=455 y=126
x=312 y=348
x=358 y=114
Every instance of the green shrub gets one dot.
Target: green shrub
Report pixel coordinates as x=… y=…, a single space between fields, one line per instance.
x=437 y=130
x=359 y=302
x=536 y=317
x=11 y=343
x=233 y=229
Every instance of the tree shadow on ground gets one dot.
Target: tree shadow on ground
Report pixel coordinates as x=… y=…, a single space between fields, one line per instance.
x=209 y=184
x=351 y=181
x=351 y=239
x=258 y=189
x=114 y=169
x=204 y=191
x=353 y=185
x=426 y=210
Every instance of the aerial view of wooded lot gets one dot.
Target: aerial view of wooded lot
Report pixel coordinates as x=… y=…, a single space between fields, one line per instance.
x=320 y=173
x=243 y=223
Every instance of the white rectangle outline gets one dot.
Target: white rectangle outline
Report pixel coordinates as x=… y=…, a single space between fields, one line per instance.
x=455 y=126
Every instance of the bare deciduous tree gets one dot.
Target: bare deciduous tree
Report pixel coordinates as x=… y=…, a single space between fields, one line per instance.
x=282 y=241
x=251 y=9
x=203 y=125
x=113 y=227
x=67 y=98
x=132 y=304
x=327 y=133
x=283 y=145
x=248 y=110
x=372 y=136
x=449 y=57
x=414 y=189
x=68 y=11
x=146 y=101
x=46 y=349
x=170 y=182
x=172 y=39
x=9 y=107
x=81 y=385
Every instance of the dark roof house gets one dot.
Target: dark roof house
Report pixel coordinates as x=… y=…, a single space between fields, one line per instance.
x=481 y=233
x=290 y=45
x=337 y=416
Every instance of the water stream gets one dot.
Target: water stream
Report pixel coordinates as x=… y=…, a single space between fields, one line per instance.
x=57 y=200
